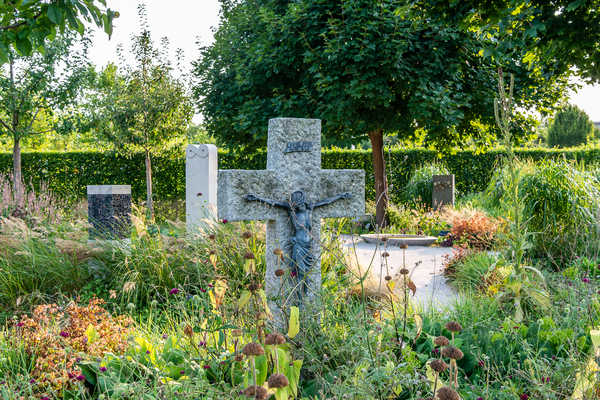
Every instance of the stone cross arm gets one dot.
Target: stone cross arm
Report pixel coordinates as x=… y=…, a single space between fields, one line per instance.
x=235 y=184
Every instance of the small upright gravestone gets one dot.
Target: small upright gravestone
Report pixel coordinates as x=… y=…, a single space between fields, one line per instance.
x=200 y=184
x=292 y=194
x=109 y=211
x=443 y=191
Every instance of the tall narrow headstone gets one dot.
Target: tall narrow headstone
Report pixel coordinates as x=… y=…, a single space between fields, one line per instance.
x=200 y=184
x=293 y=194
x=109 y=211
x=443 y=191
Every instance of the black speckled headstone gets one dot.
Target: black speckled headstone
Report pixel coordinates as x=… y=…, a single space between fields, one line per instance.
x=443 y=191
x=109 y=211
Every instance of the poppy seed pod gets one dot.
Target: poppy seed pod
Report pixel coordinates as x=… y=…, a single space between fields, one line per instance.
x=452 y=352
x=277 y=381
x=453 y=326
x=211 y=236
x=404 y=246
x=274 y=339
x=441 y=341
x=388 y=278
x=247 y=235
x=404 y=271
x=385 y=254
x=438 y=366
x=278 y=252
x=258 y=392
x=236 y=332
x=447 y=393
x=239 y=357
x=253 y=349
x=249 y=256
x=279 y=272
x=384 y=238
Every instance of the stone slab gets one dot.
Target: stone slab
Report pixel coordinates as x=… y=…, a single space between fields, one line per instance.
x=201 y=171
x=399 y=240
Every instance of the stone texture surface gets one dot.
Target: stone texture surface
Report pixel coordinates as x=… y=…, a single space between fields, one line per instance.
x=443 y=191
x=201 y=169
x=399 y=240
x=288 y=171
x=109 y=211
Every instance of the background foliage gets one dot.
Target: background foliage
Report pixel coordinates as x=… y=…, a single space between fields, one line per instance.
x=67 y=174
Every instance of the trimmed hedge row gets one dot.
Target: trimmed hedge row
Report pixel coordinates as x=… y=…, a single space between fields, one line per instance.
x=68 y=174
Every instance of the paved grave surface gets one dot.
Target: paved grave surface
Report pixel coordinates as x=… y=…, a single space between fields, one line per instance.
x=425 y=264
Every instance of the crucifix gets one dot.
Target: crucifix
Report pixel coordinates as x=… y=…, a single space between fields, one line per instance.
x=293 y=194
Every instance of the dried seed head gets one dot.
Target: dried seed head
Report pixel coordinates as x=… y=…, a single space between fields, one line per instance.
x=404 y=246
x=388 y=278
x=453 y=326
x=253 y=349
x=261 y=316
x=278 y=381
x=257 y=392
x=239 y=357
x=212 y=252
x=385 y=254
x=249 y=256
x=279 y=272
x=452 y=352
x=384 y=239
x=278 y=252
x=274 y=339
x=404 y=271
x=253 y=287
x=247 y=235
x=236 y=332
x=447 y=393
x=441 y=341
x=189 y=331
x=438 y=366
x=211 y=236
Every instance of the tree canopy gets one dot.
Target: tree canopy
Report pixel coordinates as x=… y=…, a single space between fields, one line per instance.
x=27 y=24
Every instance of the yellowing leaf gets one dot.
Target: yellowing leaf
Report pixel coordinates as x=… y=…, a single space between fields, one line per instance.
x=294 y=326
x=244 y=299
x=91 y=334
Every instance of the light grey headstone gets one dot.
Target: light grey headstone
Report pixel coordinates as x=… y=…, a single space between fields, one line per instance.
x=443 y=191
x=293 y=163
x=200 y=184
x=109 y=211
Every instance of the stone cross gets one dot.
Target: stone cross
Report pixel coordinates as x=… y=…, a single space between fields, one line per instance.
x=109 y=211
x=200 y=184
x=293 y=167
x=443 y=191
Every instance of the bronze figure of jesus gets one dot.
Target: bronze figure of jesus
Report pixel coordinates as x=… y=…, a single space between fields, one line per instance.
x=300 y=246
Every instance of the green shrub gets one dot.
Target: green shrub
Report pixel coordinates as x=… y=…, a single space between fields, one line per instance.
x=561 y=204
x=571 y=127
x=420 y=186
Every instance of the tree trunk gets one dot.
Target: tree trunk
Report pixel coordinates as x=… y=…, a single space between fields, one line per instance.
x=149 y=186
x=381 y=184
x=17 y=173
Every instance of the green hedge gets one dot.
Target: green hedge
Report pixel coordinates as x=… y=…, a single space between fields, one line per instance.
x=68 y=174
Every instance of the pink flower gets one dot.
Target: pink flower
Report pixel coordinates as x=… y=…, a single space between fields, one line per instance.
x=524 y=396
x=225 y=221
x=64 y=334
x=20 y=324
x=293 y=274
x=174 y=291
x=80 y=378
x=586 y=280
x=481 y=363
x=206 y=367
x=102 y=369
x=203 y=290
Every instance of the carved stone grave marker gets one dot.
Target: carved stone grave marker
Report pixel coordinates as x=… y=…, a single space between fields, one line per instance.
x=293 y=194
x=443 y=191
x=109 y=211
x=200 y=184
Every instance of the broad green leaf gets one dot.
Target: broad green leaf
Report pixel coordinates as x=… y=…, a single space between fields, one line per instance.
x=244 y=299
x=294 y=324
x=261 y=369
x=55 y=14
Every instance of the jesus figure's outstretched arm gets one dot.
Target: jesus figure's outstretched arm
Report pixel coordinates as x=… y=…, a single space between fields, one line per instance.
x=272 y=203
x=330 y=200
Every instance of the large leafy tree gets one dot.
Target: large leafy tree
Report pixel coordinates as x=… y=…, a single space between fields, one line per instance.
x=34 y=88
x=142 y=107
x=25 y=25
x=366 y=67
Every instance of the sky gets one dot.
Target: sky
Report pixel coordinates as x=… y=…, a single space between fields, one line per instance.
x=186 y=22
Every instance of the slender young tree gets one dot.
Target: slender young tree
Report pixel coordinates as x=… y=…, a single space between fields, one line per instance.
x=39 y=85
x=143 y=107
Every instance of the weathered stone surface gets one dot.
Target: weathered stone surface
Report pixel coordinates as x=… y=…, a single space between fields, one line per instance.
x=293 y=164
x=443 y=191
x=109 y=211
x=201 y=167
